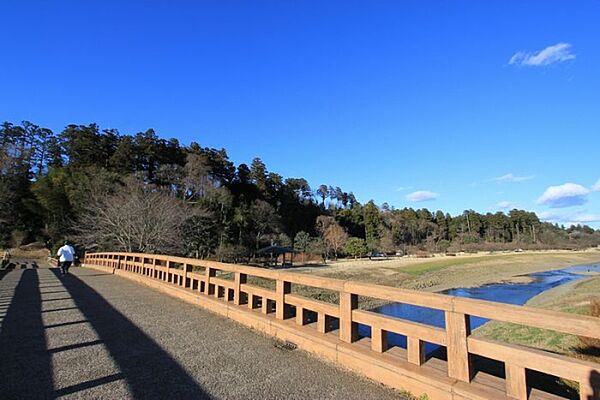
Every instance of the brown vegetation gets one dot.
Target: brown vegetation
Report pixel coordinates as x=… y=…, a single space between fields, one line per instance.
x=592 y=345
x=135 y=217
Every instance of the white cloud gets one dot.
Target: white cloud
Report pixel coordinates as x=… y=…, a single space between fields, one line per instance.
x=596 y=187
x=403 y=188
x=568 y=219
x=559 y=52
x=422 y=195
x=567 y=195
x=505 y=205
x=510 y=178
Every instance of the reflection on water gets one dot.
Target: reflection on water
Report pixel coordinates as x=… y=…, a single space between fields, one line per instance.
x=510 y=293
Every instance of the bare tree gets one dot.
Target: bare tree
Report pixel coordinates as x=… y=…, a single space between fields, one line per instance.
x=136 y=218
x=322 y=223
x=335 y=238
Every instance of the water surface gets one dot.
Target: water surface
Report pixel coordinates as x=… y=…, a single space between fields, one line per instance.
x=507 y=292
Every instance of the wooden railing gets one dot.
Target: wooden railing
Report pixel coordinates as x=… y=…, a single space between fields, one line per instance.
x=229 y=283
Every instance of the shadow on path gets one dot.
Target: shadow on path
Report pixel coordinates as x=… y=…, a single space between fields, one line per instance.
x=150 y=372
x=4 y=271
x=25 y=363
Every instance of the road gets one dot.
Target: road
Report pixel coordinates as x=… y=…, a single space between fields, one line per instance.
x=95 y=335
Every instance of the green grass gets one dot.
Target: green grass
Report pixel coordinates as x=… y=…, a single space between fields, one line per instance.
x=528 y=336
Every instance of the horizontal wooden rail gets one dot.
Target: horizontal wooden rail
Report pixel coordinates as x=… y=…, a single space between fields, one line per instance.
x=424 y=332
x=314 y=305
x=281 y=304
x=258 y=291
x=573 y=324
x=222 y=282
x=539 y=360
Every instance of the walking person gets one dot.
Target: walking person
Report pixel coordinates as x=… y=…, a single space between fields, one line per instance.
x=66 y=256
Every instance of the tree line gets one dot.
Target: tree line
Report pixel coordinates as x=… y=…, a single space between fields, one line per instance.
x=141 y=192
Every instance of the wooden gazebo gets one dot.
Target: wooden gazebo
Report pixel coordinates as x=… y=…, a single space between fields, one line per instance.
x=270 y=255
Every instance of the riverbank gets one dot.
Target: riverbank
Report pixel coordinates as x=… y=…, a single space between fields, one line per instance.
x=446 y=272
x=573 y=297
x=440 y=273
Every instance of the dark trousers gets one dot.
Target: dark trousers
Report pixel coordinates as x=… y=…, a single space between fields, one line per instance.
x=64 y=266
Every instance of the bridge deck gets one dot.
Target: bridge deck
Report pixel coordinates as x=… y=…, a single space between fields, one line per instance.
x=89 y=335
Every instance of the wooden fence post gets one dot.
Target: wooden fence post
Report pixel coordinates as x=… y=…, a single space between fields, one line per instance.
x=378 y=340
x=300 y=315
x=184 y=283
x=516 y=383
x=348 y=329
x=282 y=289
x=208 y=288
x=457 y=330
x=321 y=322
x=237 y=289
x=416 y=350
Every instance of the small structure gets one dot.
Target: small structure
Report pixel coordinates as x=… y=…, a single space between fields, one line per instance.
x=270 y=255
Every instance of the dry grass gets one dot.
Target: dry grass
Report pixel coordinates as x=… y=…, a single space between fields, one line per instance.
x=30 y=253
x=440 y=273
x=592 y=345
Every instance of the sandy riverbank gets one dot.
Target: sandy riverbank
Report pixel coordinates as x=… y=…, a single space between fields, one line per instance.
x=440 y=273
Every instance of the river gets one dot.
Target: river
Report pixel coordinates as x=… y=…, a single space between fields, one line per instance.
x=508 y=292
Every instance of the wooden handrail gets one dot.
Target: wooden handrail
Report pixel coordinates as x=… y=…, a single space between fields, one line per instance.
x=539 y=360
x=573 y=324
x=424 y=332
x=456 y=335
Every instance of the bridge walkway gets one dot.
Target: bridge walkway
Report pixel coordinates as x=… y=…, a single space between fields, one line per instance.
x=95 y=335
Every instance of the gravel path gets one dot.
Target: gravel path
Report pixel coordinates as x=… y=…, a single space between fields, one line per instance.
x=94 y=335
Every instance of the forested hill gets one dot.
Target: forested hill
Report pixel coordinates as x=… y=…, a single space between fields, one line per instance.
x=144 y=193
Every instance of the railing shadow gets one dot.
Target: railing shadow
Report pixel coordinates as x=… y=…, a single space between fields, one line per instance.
x=8 y=268
x=25 y=363
x=148 y=369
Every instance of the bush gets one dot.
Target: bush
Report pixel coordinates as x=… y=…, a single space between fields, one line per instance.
x=443 y=245
x=355 y=247
x=232 y=253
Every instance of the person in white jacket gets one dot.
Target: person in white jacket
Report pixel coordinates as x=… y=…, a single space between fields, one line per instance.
x=66 y=256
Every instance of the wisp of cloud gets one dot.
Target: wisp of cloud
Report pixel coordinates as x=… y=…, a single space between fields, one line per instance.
x=557 y=53
x=422 y=195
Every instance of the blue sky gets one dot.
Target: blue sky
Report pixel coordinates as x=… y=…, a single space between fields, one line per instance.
x=444 y=105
